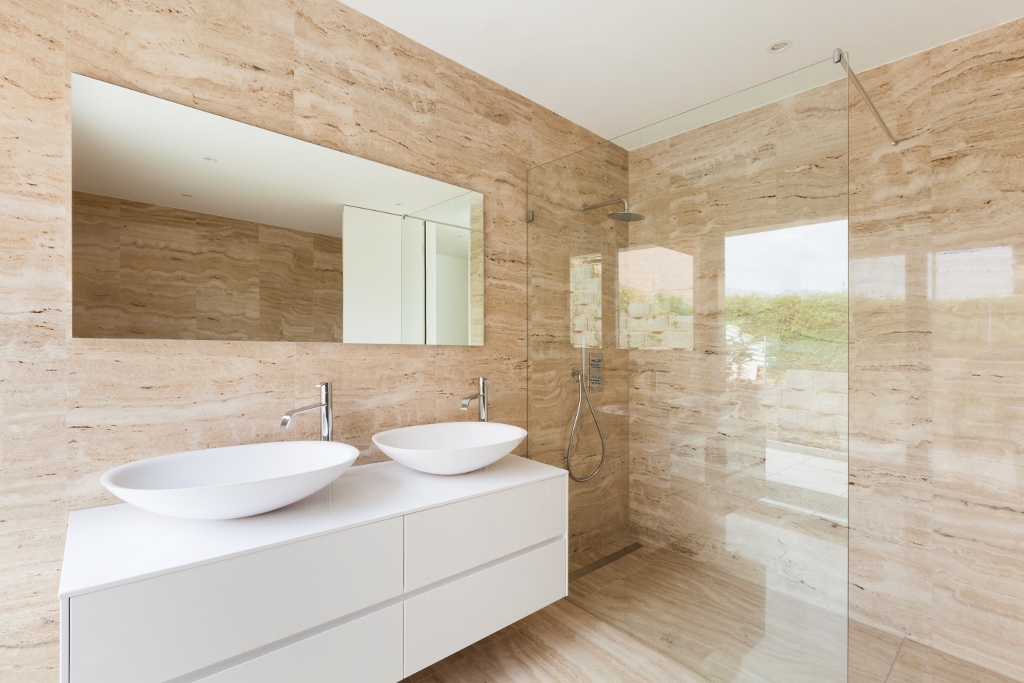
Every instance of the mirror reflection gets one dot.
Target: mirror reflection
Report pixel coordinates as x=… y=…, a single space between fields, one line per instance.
x=187 y=225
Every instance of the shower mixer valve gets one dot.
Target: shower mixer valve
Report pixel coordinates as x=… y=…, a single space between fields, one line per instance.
x=596 y=371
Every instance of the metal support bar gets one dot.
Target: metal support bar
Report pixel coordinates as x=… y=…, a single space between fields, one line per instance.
x=839 y=57
x=617 y=200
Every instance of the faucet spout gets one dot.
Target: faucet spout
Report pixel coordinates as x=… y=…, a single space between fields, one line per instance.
x=286 y=420
x=481 y=397
x=326 y=412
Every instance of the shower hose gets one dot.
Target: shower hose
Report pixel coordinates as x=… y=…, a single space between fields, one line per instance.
x=580 y=377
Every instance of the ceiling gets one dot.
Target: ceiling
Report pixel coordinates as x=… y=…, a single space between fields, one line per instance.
x=133 y=146
x=614 y=66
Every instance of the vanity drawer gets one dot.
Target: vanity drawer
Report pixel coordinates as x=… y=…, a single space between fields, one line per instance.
x=445 y=620
x=446 y=540
x=366 y=650
x=170 y=625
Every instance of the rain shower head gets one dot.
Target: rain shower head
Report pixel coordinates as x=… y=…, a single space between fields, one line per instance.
x=625 y=215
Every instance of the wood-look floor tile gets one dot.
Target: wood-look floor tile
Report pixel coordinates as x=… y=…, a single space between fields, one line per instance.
x=872 y=653
x=610 y=573
x=792 y=642
x=918 y=663
x=560 y=644
x=677 y=606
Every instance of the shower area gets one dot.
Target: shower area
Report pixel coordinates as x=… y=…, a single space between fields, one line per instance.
x=688 y=362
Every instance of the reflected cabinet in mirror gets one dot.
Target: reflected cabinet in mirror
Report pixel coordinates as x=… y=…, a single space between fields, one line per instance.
x=187 y=225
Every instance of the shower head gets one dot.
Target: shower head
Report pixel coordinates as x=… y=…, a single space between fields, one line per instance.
x=625 y=215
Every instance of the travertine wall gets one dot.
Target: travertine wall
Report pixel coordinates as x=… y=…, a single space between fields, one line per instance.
x=698 y=479
x=312 y=69
x=937 y=350
x=142 y=271
x=599 y=508
x=936 y=387
x=476 y=279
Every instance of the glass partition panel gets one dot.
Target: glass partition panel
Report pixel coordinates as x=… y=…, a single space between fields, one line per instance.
x=715 y=531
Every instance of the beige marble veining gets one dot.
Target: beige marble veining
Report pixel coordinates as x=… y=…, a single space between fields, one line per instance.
x=891 y=355
x=314 y=69
x=918 y=663
x=225 y=58
x=936 y=379
x=318 y=70
x=153 y=272
x=559 y=644
x=680 y=607
x=560 y=231
x=872 y=653
x=698 y=477
x=35 y=321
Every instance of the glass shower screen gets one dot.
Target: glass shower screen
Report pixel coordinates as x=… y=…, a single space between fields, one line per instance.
x=717 y=532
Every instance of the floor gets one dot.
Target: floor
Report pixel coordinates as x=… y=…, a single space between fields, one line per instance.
x=722 y=626
x=558 y=643
x=638 y=612
x=807 y=480
x=654 y=615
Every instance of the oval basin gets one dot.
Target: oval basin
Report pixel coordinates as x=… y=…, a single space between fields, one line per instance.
x=230 y=482
x=450 y=447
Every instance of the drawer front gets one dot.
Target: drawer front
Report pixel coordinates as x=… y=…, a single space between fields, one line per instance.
x=444 y=541
x=367 y=650
x=445 y=620
x=171 y=625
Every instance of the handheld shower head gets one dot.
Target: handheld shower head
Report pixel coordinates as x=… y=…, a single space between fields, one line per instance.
x=625 y=215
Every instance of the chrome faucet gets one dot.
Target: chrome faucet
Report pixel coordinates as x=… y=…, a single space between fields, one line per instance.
x=481 y=397
x=326 y=413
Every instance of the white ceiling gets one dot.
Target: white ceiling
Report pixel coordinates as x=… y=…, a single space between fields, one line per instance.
x=614 y=66
x=129 y=145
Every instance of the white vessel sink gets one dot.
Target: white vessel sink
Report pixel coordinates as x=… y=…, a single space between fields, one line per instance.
x=450 y=447
x=231 y=482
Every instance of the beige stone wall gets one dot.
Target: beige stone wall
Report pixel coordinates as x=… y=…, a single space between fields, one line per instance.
x=937 y=355
x=936 y=384
x=476 y=273
x=141 y=271
x=598 y=509
x=696 y=439
x=312 y=69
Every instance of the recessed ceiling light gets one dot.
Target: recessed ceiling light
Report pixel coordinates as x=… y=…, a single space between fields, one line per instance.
x=780 y=46
x=210 y=159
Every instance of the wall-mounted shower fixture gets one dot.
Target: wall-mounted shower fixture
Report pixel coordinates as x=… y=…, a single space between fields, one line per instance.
x=839 y=57
x=624 y=215
x=581 y=376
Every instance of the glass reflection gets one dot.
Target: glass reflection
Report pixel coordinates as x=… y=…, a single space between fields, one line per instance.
x=971 y=273
x=655 y=298
x=585 y=300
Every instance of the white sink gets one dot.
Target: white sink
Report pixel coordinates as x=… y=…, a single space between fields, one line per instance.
x=450 y=447
x=231 y=482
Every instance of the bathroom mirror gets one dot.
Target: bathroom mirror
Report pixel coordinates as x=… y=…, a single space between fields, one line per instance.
x=188 y=225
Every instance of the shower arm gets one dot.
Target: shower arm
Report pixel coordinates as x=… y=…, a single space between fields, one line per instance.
x=625 y=205
x=839 y=57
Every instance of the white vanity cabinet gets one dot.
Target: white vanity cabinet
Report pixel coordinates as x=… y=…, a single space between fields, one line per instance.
x=389 y=573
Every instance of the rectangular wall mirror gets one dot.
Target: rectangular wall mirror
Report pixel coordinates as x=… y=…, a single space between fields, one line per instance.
x=188 y=225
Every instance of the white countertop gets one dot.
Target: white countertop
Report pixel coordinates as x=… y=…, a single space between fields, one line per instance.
x=117 y=544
